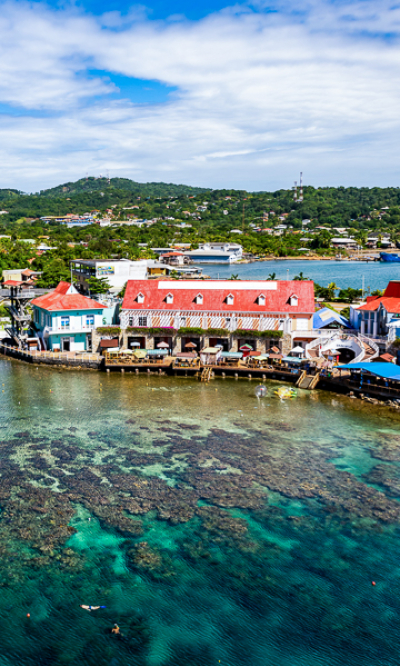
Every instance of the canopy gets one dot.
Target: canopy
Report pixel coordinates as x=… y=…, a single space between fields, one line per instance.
x=156 y=352
x=275 y=356
x=254 y=353
x=263 y=357
x=219 y=346
x=385 y=370
x=190 y=345
x=163 y=345
x=114 y=351
x=246 y=348
x=127 y=351
x=135 y=344
x=232 y=354
x=140 y=353
x=297 y=350
x=107 y=344
x=210 y=350
x=186 y=355
x=291 y=359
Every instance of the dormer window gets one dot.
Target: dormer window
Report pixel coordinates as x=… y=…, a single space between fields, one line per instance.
x=199 y=299
x=261 y=299
x=293 y=300
x=169 y=298
x=230 y=299
x=140 y=298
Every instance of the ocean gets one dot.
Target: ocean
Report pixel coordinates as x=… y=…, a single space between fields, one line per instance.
x=215 y=528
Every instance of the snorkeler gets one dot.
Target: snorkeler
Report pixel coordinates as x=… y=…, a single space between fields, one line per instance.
x=91 y=608
x=115 y=630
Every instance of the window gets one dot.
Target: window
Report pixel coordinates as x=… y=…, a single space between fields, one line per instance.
x=140 y=298
x=199 y=299
x=64 y=322
x=169 y=298
x=182 y=321
x=142 y=321
x=293 y=300
x=261 y=299
x=230 y=299
x=90 y=320
x=130 y=320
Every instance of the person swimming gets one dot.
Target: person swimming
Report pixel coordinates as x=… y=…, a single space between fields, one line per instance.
x=116 y=630
x=91 y=608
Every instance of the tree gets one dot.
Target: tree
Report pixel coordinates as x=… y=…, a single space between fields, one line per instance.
x=234 y=276
x=300 y=277
x=271 y=276
x=54 y=271
x=98 y=285
x=332 y=287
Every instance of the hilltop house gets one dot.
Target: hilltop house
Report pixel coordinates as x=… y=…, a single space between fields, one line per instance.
x=229 y=313
x=64 y=319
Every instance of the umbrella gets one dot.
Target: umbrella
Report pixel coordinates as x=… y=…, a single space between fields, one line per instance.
x=219 y=346
x=246 y=348
x=163 y=345
x=135 y=344
x=297 y=350
x=140 y=353
x=191 y=345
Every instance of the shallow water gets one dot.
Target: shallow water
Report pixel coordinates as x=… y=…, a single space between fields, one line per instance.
x=216 y=528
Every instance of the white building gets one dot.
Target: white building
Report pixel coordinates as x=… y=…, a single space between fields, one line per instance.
x=224 y=246
x=117 y=272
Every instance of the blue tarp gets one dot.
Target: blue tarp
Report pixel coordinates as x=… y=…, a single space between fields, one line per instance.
x=326 y=317
x=385 y=370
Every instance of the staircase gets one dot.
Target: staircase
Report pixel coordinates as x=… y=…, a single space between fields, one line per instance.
x=206 y=374
x=306 y=381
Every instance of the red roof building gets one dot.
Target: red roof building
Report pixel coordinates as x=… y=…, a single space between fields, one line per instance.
x=229 y=305
x=65 y=297
x=379 y=313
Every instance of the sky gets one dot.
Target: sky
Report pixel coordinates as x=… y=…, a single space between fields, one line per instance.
x=208 y=93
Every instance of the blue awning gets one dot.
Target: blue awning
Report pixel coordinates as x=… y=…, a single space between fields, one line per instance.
x=156 y=352
x=231 y=354
x=385 y=370
x=292 y=359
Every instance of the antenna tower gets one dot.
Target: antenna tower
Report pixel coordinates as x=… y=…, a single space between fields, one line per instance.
x=301 y=187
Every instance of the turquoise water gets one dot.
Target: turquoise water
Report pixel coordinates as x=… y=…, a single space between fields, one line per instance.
x=215 y=528
x=344 y=273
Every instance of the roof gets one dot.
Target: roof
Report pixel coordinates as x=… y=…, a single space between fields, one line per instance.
x=385 y=370
x=107 y=344
x=390 y=304
x=65 y=297
x=215 y=292
x=386 y=357
x=326 y=316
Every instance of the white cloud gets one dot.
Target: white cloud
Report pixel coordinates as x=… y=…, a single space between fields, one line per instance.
x=260 y=96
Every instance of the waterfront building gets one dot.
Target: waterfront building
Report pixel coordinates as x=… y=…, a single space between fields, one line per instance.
x=64 y=319
x=117 y=272
x=208 y=313
x=380 y=315
x=231 y=248
x=209 y=256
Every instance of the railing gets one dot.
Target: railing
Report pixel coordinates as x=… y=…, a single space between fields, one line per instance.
x=372 y=344
x=56 y=355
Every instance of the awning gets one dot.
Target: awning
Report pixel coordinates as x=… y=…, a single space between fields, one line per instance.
x=210 y=350
x=384 y=370
x=264 y=357
x=297 y=350
x=106 y=344
x=292 y=359
x=156 y=352
x=276 y=356
x=140 y=353
x=114 y=351
x=186 y=355
x=232 y=354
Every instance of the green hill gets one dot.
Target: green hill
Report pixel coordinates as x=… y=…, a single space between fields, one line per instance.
x=103 y=185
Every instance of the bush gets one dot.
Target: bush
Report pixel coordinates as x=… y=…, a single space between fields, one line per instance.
x=109 y=330
x=186 y=330
x=217 y=332
x=148 y=330
x=249 y=333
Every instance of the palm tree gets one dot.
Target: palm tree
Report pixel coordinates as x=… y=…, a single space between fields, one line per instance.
x=332 y=287
x=300 y=277
x=271 y=276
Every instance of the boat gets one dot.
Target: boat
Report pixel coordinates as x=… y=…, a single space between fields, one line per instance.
x=388 y=257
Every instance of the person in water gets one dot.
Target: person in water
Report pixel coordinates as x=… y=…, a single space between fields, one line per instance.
x=115 y=630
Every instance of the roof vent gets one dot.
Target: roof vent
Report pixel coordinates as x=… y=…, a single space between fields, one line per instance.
x=230 y=299
x=199 y=299
x=293 y=300
x=169 y=298
x=261 y=299
x=140 y=297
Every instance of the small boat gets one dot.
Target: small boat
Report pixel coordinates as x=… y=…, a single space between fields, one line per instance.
x=285 y=393
x=389 y=257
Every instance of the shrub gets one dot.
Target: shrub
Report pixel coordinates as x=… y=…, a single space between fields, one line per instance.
x=109 y=330
x=249 y=333
x=186 y=330
x=149 y=330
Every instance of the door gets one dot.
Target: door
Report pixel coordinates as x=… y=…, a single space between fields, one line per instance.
x=65 y=344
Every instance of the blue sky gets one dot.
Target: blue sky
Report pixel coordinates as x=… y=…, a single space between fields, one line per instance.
x=212 y=94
